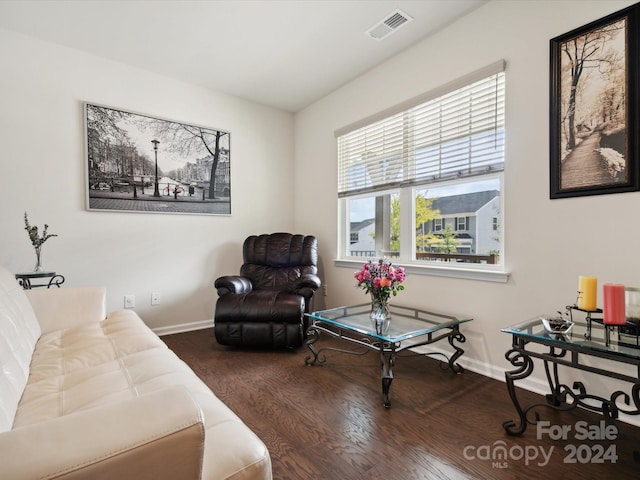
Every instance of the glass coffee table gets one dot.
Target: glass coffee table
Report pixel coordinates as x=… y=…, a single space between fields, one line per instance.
x=409 y=328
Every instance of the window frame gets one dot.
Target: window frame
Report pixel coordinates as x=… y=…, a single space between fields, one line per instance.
x=407 y=195
x=462 y=222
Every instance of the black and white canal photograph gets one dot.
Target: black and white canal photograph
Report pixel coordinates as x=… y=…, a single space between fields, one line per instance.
x=592 y=135
x=138 y=163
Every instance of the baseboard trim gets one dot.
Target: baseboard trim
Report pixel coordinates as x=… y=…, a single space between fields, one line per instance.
x=183 y=327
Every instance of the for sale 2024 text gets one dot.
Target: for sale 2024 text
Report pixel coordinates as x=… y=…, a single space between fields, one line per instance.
x=583 y=431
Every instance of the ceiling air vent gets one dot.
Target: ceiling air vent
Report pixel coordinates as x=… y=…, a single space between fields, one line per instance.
x=390 y=24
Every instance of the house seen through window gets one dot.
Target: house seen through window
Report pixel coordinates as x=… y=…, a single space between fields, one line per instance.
x=423 y=184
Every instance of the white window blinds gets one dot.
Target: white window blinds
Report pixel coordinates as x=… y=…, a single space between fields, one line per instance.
x=457 y=131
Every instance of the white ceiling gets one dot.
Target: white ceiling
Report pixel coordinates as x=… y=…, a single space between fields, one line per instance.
x=282 y=53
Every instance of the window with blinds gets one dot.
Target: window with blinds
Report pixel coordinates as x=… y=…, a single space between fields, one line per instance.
x=456 y=134
x=422 y=181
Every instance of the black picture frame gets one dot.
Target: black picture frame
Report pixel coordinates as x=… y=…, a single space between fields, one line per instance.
x=139 y=163
x=594 y=107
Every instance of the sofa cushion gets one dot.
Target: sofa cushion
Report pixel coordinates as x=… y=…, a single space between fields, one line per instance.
x=92 y=365
x=19 y=331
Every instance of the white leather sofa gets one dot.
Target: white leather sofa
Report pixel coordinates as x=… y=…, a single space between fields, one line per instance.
x=85 y=395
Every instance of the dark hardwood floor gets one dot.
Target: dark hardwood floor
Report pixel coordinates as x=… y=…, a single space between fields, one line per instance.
x=328 y=422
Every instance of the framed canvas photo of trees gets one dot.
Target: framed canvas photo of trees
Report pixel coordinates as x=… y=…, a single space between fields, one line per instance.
x=137 y=163
x=593 y=107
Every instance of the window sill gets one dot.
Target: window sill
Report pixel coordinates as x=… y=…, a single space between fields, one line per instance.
x=467 y=273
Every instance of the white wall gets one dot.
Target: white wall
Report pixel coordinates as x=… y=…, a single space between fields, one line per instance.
x=548 y=242
x=42 y=165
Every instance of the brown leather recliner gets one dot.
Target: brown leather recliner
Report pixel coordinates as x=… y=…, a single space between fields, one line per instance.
x=264 y=306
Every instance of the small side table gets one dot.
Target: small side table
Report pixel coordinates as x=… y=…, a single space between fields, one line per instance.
x=24 y=279
x=530 y=340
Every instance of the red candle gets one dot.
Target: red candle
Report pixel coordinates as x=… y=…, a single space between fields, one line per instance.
x=614 y=308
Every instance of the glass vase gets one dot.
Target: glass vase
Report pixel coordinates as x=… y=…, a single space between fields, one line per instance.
x=380 y=316
x=38 y=268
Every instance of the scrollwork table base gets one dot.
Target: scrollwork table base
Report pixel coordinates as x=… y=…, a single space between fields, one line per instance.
x=410 y=328
x=51 y=279
x=570 y=350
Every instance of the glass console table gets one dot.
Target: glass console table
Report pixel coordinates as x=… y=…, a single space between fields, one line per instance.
x=575 y=349
x=409 y=328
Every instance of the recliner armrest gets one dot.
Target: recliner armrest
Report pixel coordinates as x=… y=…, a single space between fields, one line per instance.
x=159 y=435
x=308 y=281
x=233 y=284
x=306 y=286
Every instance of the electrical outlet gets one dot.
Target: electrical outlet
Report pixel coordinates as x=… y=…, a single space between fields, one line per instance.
x=155 y=298
x=324 y=290
x=129 y=301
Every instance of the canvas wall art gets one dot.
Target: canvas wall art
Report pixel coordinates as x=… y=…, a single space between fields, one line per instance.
x=593 y=107
x=139 y=163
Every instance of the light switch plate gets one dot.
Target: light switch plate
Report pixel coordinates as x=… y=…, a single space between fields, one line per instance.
x=129 y=301
x=155 y=298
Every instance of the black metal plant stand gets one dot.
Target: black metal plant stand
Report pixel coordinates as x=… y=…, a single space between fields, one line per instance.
x=25 y=279
x=629 y=333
